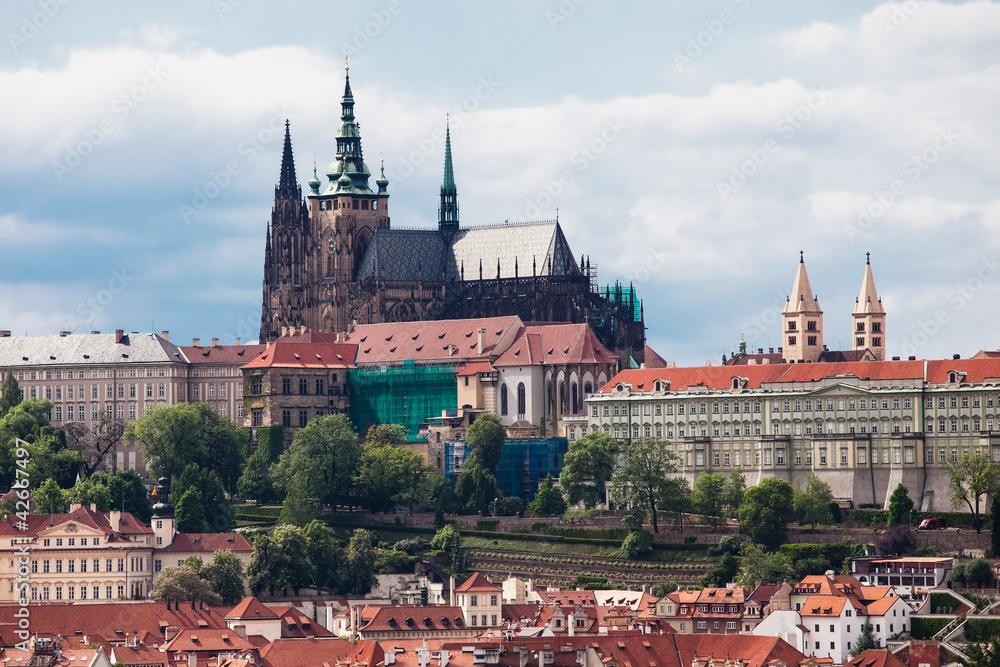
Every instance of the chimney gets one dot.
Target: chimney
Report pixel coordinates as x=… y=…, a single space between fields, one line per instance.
x=195 y=342
x=93 y=332
x=5 y=333
x=165 y=335
x=284 y=331
x=237 y=340
x=302 y=329
x=63 y=334
x=114 y=518
x=119 y=334
x=241 y=630
x=215 y=342
x=169 y=632
x=479 y=343
x=192 y=659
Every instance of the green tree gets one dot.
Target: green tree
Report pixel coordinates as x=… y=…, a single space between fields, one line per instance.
x=189 y=514
x=486 y=438
x=260 y=575
x=708 y=498
x=995 y=529
x=255 y=483
x=182 y=584
x=675 y=500
x=326 y=452
x=385 y=434
x=387 y=475
x=985 y=654
x=766 y=511
x=736 y=486
x=10 y=393
x=642 y=480
x=812 y=504
x=900 y=506
x=174 y=436
x=477 y=487
x=289 y=558
x=323 y=553
x=446 y=539
x=866 y=640
x=757 y=565
x=972 y=477
x=49 y=498
x=215 y=506
x=978 y=572
x=87 y=492
x=227 y=576
x=359 y=570
x=126 y=492
x=298 y=509
x=637 y=544
x=587 y=467
x=721 y=574
x=48 y=456
x=548 y=500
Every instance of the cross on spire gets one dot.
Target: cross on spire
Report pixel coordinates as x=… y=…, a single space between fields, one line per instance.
x=868 y=258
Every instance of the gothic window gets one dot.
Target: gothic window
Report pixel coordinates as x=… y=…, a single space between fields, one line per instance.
x=503 y=400
x=588 y=388
x=575 y=398
x=562 y=398
x=521 y=399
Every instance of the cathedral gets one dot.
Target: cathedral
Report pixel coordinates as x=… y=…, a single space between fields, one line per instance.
x=332 y=260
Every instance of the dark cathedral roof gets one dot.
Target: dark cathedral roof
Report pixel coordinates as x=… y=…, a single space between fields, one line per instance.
x=533 y=247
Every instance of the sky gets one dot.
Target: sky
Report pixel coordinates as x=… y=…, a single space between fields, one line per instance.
x=692 y=149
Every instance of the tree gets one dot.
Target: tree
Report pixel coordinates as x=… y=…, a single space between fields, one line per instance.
x=896 y=541
x=721 y=574
x=548 y=500
x=736 y=486
x=477 y=486
x=360 y=563
x=385 y=434
x=298 y=509
x=326 y=452
x=226 y=575
x=260 y=576
x=189 y=513
x=995 y=529
x=324 y=556
x=387 y=475
x=757 y=565
x=972 y=477
x=446 y=539
x=675 y=500
x=708 y=498
x=986 y=654
x=175 y=436
x=486 y=438
x=812 y=504
x=866 y=640
x=49 y=498
x=766 y=511
x=126 y=492
x=642 y=480
x=48 y=456
x=289 y=559
x=587 y=467
x=86 y=492
x=181 y=584
x=637 y=544
x=215 y=507
x=96 y=443
x=10 y=393
x=256 y=483
x=978 y=572
x=900 y=506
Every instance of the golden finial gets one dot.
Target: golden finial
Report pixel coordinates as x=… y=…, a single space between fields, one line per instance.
x=347 y=67
x=447 y=119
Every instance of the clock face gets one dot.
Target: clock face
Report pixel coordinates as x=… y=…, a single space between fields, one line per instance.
x=331 y=245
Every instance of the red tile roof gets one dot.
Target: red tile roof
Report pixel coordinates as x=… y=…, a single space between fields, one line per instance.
x=221 y=354
x=128 y=524
x=415 y=618
x=472 y=368
x=711 y=377
x=311 y=349
x=138 y=655
x=448 y=341
x=976 y=370
x=250 y=608
x=556 y=344
x=209 y=542
x=208 y=639
x=875 y=657
x=310 y=652
x=296 y=624
x=476 y=582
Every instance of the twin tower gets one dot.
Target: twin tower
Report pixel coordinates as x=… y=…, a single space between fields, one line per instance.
x=802 y=323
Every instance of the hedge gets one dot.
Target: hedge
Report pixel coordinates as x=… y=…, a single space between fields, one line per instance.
x=257 y=511
x=981 y=629
x=922 y=627
x=834 y=553
x=942 y=603
x=954 y=519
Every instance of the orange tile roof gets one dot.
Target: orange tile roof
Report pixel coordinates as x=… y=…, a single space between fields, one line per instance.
x=823 y=605
x=221 y=354
x=128 y=524
x=881 y=606
x=208 y=639
x=476 y=582
x=209 y=542
x=976 y=370
x=306 y=350
x=310 y=652
x=474 y=367
x=875 y=657
x=413 y=618
x=711 y=377
x=556 y=344
x=250 y=608
x=449 y=341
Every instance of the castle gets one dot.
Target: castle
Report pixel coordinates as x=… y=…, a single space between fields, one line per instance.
x=332 y=260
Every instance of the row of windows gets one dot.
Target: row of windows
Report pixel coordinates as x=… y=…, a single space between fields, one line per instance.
x=320 y=385
x=658 y=409
x=355 y=204
x=703 y=625
x=46 y=592
x=840 y=403
x=70 y=541
x=138 y=564
x=93 y=374
x=286 y=417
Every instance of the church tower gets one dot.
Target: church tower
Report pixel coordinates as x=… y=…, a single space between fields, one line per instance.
x=803 y=321
x=345 y=218
x=869 y=317
x=286 y=253
x=448 y=211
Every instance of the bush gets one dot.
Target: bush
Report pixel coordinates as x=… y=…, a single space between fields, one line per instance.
x=512 y=506
x=637 y=544
x=979 y=572
x=489 y=525
x=410 y=546
x=730 y=544
x=896 y=541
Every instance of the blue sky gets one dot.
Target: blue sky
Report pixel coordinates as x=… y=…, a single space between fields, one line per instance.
x=692 y=148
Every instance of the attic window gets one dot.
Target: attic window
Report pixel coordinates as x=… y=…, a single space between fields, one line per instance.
x=389 y=338
x=445 y=622
x=420 y=348
x=363 y=339
x=414 y=337
x=392 y=349
x=440 y=336
x=427 y=621
x=319 y=358
x=409 y=622
x=468 y=335
x=392 y=622
x=296 y=355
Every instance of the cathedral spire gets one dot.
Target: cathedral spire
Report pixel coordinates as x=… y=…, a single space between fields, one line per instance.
x=350 y=160
x=869 y=317
x=448 y=211
x=287 y=184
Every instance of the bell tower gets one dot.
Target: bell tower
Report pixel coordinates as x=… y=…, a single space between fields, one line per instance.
x=869 y=317
x=802 y=321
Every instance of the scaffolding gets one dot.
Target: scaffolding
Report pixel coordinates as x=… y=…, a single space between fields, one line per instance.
x=523 y=464
x=406 y=395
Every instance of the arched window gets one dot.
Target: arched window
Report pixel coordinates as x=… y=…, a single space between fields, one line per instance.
x=562 y=398
x=588 y=389
x=503 y=400
x=521 y=400
x=575 y=398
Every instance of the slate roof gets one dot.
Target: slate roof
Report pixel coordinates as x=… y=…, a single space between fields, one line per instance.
x=406 y=254
x=87 y=349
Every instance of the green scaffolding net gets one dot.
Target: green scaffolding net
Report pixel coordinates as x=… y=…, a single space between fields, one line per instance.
x=406 y=395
